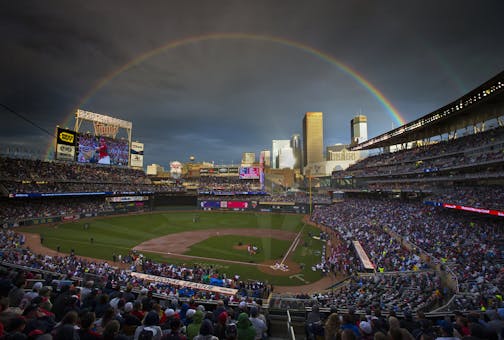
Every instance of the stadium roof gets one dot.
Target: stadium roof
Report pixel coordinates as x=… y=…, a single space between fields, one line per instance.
x=477 y=106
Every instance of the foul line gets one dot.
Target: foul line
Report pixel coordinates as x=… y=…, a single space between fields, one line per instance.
x=202 y=258
x=293 y=245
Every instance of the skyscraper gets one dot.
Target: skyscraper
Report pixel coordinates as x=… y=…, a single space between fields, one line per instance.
x=286 y=158
x=277 y=145
x=296 y=146
x=248 y=158
x=313 y=138
x=358 y=129
x=266 y=155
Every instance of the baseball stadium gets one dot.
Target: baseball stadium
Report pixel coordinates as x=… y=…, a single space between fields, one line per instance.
x=400 y=241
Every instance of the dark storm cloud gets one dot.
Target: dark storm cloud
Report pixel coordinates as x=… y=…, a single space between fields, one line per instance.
x=215 y=99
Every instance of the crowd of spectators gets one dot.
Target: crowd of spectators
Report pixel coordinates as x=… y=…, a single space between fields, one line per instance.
x=375 y=325
x=427 y=166
x=37 y=170
x=227 y=183
x=419 y=291
x=91 y=311
x=488 y=141
x=72 y=266
x=35 y=176
x=301 y=197
x=485 y=197
x=111 y=290
x=15 y=210
x=469 y=248
x=434 y=167
x=363 y=220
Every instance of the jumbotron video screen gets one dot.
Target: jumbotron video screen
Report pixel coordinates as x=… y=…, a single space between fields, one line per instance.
x=102 y=150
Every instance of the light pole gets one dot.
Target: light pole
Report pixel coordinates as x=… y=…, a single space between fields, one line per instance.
x=310 y=190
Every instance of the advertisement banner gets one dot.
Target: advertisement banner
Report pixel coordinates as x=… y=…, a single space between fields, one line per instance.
x=366 y=262
x=70 y=218
x=237 y=204
x=137 y=154
x=189 y=284
x=37 y=221
x=65 y=144
x=65 y=152
x=472 y=209
x=210 y=204
x=127 y=199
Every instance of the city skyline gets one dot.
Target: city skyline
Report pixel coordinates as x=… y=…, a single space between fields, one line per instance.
x=313 y=138
x=213 y=80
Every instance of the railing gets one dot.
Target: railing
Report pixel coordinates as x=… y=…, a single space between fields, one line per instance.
x=290 y=329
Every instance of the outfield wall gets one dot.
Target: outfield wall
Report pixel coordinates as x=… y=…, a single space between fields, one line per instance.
x=253 y=206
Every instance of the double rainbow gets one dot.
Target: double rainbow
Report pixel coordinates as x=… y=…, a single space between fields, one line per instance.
x=359 y=78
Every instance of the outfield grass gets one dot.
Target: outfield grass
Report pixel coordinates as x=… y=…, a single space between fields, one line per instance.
x=117 y=235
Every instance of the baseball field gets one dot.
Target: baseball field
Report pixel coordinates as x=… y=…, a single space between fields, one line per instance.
x=278 y=248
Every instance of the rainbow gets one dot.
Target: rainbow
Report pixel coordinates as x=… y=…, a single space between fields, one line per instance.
x=359 y=78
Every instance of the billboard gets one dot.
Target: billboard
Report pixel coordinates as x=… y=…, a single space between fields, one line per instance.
x=250 y=172
x=65 y=144
x=137 y=153
x=237 y=204
x=216 y=171
x=102 y=150
x=210 y=204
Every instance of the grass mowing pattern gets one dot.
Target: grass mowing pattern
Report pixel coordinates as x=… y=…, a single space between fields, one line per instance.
x=117 y=235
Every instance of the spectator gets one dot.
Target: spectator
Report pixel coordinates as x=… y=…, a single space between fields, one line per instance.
x=193 y=328
x=332 y=329
x=150 y=324
x=246 y=330
x=259 y=324
x=206 y=331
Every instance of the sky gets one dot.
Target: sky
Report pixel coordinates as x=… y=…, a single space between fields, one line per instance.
x=213 y=79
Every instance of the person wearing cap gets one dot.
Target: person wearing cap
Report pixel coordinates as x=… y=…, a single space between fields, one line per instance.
x=34 y=292
x=206 y=331
x=246 y=330
x=151 y=323
x=17 y=293
x=170 y=315
x=219 y=309
x=366 y=330
x=175 y=331
x=220 y=325
x=260 y=315
x=259 y=325
x=130 y=321
x=313 y=325
x=194 y=327
x=242 y=307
